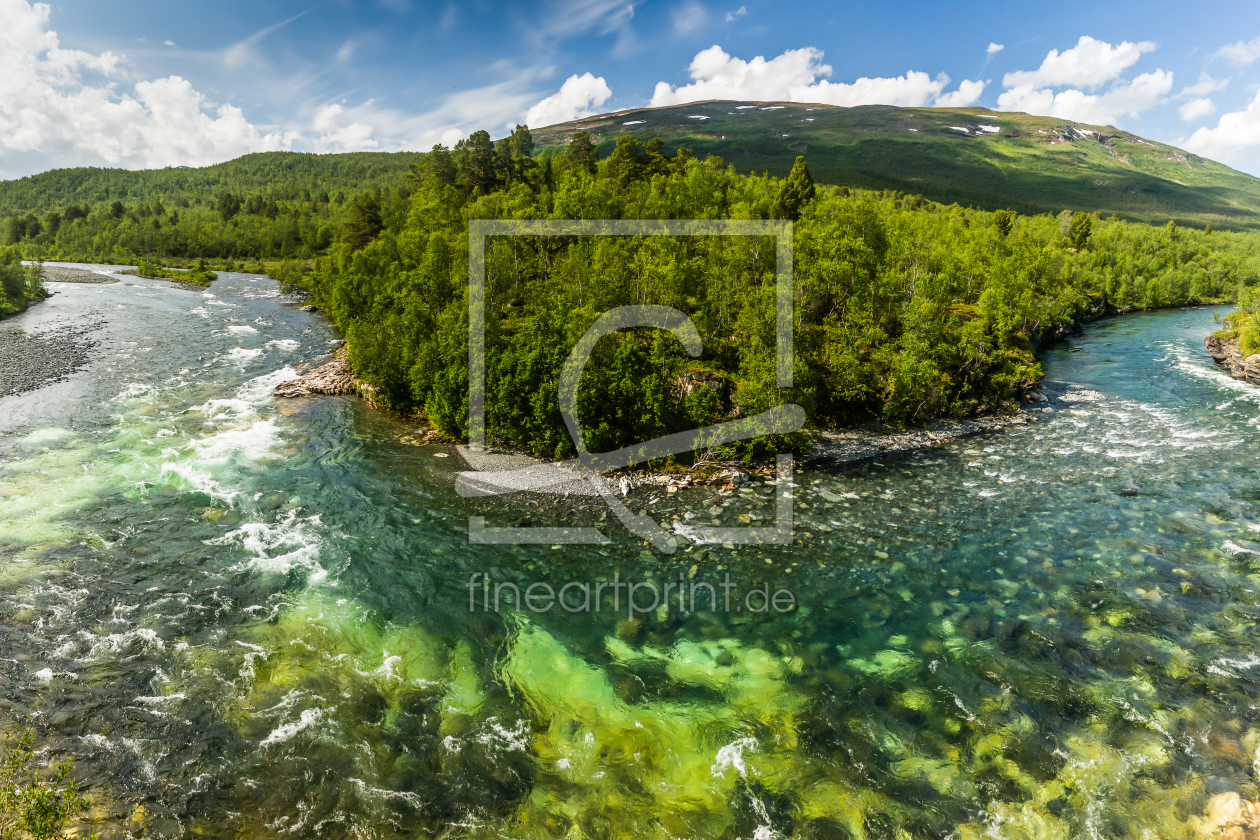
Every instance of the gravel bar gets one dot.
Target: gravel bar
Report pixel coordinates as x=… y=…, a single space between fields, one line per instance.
x=31 y=361
x=61 y=274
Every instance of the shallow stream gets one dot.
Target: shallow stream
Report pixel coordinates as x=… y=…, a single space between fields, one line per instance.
x=243 y=617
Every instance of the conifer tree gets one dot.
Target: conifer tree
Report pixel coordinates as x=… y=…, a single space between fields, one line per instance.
x=581 y=154
x=797 y=189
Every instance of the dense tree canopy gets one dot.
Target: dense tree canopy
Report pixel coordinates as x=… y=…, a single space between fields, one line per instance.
x=904 y=309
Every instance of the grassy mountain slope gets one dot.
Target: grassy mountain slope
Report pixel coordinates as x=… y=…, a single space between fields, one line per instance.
x=1030 y=164
x=280 y=175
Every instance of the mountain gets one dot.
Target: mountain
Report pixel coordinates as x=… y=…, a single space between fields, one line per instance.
x=972 y=156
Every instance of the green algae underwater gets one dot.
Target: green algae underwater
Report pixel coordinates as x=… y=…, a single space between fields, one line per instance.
x=249 y=618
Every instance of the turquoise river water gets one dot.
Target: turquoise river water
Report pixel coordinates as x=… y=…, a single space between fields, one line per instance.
x=244 y=617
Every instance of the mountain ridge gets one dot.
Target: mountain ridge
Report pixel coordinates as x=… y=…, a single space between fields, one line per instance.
x=972 y=156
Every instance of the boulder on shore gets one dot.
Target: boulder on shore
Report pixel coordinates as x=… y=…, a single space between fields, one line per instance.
x=331 y=379
x=1223 y=347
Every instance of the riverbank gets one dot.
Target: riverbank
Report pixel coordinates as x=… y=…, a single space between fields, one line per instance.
x=505 y=471
x=1223 y=348
x=508 y=469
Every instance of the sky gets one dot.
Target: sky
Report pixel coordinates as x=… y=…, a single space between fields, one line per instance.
x=148 y=84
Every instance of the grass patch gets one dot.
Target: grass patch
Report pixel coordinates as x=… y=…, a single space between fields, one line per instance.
x=201 y=275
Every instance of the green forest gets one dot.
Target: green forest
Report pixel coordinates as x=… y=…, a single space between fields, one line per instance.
x=273 y=205
x=905 y=309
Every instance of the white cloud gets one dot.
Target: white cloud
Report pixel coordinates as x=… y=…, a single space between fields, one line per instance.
x=995 y=48
x=1242 y=53
x=1236 y=137
x=738 y=13
x=1125 y=99
x=968 y=93
x=1203 y=87
x=689 y=16
x=1196 y=109
x=63 y=108
x=339 y=131
x=793 y=77
x=1088 y=64
x=577 y=98
x=169 y=43
x=337 y=127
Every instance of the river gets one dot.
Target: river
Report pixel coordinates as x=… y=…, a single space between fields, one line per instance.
x=244 y=617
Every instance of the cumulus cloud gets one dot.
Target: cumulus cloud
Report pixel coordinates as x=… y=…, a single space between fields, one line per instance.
x=577 y=98
x=338 y=130
x=1242 y=53
x=341 y=127
x=62 y=107
x=1196 y=109
x=1235 y=139
x=1125 y=99
x=995 y=48
x=1089 y=64
x=968 y=93
x=738 y=13
x=794 y=77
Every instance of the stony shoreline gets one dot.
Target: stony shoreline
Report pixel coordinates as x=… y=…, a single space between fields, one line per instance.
x=29 y=361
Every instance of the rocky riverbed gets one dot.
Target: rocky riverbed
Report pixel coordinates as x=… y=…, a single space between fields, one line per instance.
x=29 y=361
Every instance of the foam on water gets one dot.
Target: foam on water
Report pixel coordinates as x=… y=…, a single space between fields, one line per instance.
x=278 y=547
x=242 y=355
x=309 y=718
x=241 y=438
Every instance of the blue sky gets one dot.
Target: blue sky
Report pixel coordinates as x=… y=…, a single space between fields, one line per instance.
x=139 y=84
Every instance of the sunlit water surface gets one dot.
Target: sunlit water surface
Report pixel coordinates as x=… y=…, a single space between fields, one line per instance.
x=244 y=617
